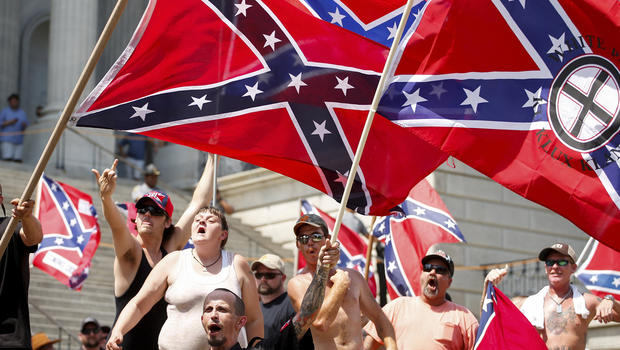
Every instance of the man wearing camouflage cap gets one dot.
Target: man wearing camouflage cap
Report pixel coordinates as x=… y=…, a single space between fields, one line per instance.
x=560 y=313
x=429 y=321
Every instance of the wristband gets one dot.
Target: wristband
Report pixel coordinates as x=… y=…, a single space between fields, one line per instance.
x=610 y=297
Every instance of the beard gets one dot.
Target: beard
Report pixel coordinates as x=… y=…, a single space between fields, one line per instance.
x=216 y=341
x=265 y=289
x=428 y=291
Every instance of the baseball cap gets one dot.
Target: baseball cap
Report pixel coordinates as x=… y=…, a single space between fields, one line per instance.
x=39 y=340
x=312 y=220
x=439 y=254
x=561 y=248
x=88 y=320
x=270 y=261
x=160 y=198
x=151 y=169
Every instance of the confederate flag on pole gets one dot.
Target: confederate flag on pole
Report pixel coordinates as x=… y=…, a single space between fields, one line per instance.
x=527 y=92
x=70 y=232
x=425 y=222
x=267 y=83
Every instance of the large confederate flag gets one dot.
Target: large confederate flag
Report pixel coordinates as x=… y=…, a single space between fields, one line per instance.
x=267 y=83
x=527 y=92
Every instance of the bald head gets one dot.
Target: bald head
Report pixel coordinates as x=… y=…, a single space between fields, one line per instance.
x=230 y=297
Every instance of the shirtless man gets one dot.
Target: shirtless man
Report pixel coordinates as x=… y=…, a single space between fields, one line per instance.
x=338 y=323
x=559 y=312
x=136 y=256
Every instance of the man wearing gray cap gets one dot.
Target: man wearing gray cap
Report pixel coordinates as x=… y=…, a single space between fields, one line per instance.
x=151 y=175
x=90 y=333
x=338 y=324
x=429 y=321
x=274 y=301
x=560 y=313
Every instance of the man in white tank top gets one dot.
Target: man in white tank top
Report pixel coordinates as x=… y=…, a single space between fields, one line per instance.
x=185 y=278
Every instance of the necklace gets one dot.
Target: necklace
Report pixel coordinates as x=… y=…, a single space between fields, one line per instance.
x=205 y=267
x=558 y=308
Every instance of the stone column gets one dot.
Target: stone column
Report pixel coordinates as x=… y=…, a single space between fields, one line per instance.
x=9 y=42
x=73 y=34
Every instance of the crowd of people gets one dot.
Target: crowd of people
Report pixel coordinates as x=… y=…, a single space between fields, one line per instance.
x=208 y=297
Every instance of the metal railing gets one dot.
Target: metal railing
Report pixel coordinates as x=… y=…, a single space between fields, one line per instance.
x=61 y=330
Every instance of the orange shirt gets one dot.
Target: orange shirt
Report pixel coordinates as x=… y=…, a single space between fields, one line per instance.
x=420 y=326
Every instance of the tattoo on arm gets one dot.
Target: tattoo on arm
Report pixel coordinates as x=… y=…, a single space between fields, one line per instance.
x=311 y=302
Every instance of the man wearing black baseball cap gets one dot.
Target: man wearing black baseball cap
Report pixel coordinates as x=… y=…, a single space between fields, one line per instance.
x=338 y=323
x=560 y=313
x=157 y=236
x=90 y=334
x=429 y=321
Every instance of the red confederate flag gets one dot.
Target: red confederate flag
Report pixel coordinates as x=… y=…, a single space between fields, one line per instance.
x=424 y=222
x=352 y=246
x=527 y=92
x=267 y=83
x=601 y=271
x=70 y=232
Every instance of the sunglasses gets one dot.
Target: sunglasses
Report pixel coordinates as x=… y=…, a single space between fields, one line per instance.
x=551 y=262
x=267 y=275
x=438 y=269
x=316 y=237
x=153 y=210
x=88 y=331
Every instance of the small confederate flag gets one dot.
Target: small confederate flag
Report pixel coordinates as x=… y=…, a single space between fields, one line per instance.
x=352 y=246
x=70 y=232
x=503 y=326
x=426 y=221
x=601 y=271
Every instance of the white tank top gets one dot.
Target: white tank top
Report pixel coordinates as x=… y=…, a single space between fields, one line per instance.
x=183 y=329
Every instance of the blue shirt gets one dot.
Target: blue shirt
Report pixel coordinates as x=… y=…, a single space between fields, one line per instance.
x=22 y=122
x=137 y=145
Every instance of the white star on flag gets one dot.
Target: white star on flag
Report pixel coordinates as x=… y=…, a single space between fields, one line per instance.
x=141 y=112
x=616 y=282
x=487 y=301
x=420 y=211
x=73 y=222
x=342 y=178
x=319 y=129
x=438 y=90
x=343 y=84
x=594 y=279
x=65 y=205
x=450 y=224
x=199 y=102
x=473 y=98
x=80 y=239
x=54 y=187
x=392 y=266
x=557 y=46
x=296 y=81
x=336 y=16
x=252 y=91
x=392 y=31
x=381 y=227
x=58 y=241
x=413 y=99
x=242 y=7
x=533 y=99
x=388 y=238
x=271 y=40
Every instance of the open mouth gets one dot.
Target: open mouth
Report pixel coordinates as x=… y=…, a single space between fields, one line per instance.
x=214 y=328
x=201 y=230
x=432 y=283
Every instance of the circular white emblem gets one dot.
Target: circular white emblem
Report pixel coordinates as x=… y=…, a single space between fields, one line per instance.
x=584 y=103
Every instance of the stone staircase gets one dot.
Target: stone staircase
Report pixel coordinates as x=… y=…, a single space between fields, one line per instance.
x=68 y=307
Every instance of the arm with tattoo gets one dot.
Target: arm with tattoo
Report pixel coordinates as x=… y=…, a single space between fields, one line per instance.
x=313 y=298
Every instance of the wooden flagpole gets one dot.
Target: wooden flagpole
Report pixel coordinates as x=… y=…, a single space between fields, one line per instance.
x=64 y=117
x=369 y=119
x=371 y=242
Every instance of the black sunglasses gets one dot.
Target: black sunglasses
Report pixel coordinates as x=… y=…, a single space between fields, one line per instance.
x=88 y=331
x=267 y=275
x=153 y=210
x=551 y=262
x=316 y=237
x=438 y=269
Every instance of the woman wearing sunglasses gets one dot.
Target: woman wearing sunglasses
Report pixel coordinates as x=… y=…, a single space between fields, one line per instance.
x=137 y=255
x=184 y=278
x=560 y=313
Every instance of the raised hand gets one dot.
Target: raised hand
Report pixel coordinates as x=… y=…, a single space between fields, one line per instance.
x=106 y=180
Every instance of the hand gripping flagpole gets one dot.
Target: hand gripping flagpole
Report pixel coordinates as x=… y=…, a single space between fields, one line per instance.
x=64 y=117
x=371 y=241
x=369 y=119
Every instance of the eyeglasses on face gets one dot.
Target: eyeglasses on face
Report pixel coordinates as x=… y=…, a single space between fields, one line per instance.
x=153 y=210
x=442 y=270
x=87 y=331
x=267 y=275
x=316 y=237
x=560 y=262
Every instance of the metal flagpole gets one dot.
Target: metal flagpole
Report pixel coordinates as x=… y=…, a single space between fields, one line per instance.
x=585 y=249
x=369 y=119
x=64 y=117
x=214 y=199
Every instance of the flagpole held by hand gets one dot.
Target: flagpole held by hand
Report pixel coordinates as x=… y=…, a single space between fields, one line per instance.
x=64 y=117
x=369 y=119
